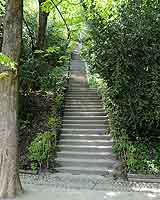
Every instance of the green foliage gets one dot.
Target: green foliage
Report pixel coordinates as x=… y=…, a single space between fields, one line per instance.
x=2 y=7
x=7 y=64
x=7 y=61
x=122 y=46
x=44 y=72
x=54 y=79
x=139 y=156
x=128 y=61
x=39 y=68
x=58 y=102
x=47 y=6
x=41 y=147
x=4 y=75
x=54 y=122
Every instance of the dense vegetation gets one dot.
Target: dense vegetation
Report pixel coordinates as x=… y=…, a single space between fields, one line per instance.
x=121 y=42
x=122 y=47
x=47 y=37
x=43 y=74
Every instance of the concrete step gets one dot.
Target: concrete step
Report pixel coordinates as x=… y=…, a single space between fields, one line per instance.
x=83 y=103
x=82 y=98
x=82 y=89
x=83 y=110
x=84 y=117
x=85 y=126
x=85 y=136
x=78 y=75
x=99 y=131
x=78 y=80
x=85 y=155
x=76 y=86
x=74 y=71
x=84 y=148
x=83 y=106
x=82 y=93
x=86 y=121
x=84 y=170
x=108 y=163
x=92 y=142
x=84 y=114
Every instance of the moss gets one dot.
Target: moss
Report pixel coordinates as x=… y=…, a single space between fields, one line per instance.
x=7 y=61
x=4 y=75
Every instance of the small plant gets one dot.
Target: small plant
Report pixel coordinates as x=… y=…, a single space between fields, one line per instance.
x=40 y=149
x=58 y=102
x=157 y=157
x=54 y=122
x=138 y=154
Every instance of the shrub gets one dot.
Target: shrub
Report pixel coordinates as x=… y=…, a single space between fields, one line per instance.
x=40 y=149
x=58 y=102
x=54 y=122
x=125 y=53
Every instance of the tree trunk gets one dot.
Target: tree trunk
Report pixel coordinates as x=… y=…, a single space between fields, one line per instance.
x=9 y=177
x=9 y=180
x=43 y=17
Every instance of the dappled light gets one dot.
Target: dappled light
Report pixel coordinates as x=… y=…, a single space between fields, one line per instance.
x=80 y=99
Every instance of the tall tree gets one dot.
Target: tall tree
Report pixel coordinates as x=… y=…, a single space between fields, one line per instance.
x=9 y=178
x=43 y=17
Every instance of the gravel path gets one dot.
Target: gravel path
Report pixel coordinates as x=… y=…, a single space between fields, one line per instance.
x=91 y=182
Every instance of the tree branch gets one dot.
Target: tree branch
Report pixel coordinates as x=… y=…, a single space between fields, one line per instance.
x=30 y=34
x=59 y=2
x=68 y=29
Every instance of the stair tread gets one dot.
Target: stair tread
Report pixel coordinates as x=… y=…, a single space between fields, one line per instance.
x=87 y=117
x=89 y=112
x=83 y=100
x=84 y=120
x=85 y=125
x=85 y=135
x=94 y=113
x=84 y=146
x=86 y=160
x=86 y=168
x=89 y=141
x=83 y=109
x=82 y=130
x=82 y=97
x=80 y=120
x=85 y=153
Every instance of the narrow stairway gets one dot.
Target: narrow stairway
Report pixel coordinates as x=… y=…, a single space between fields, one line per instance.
x=84 y=146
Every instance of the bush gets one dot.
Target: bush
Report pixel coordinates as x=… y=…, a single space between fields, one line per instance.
x=125 y=53
x=54 y=122
x=40 y=149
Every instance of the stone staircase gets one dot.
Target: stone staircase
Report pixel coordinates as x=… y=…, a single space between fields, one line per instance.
x=84 y=146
